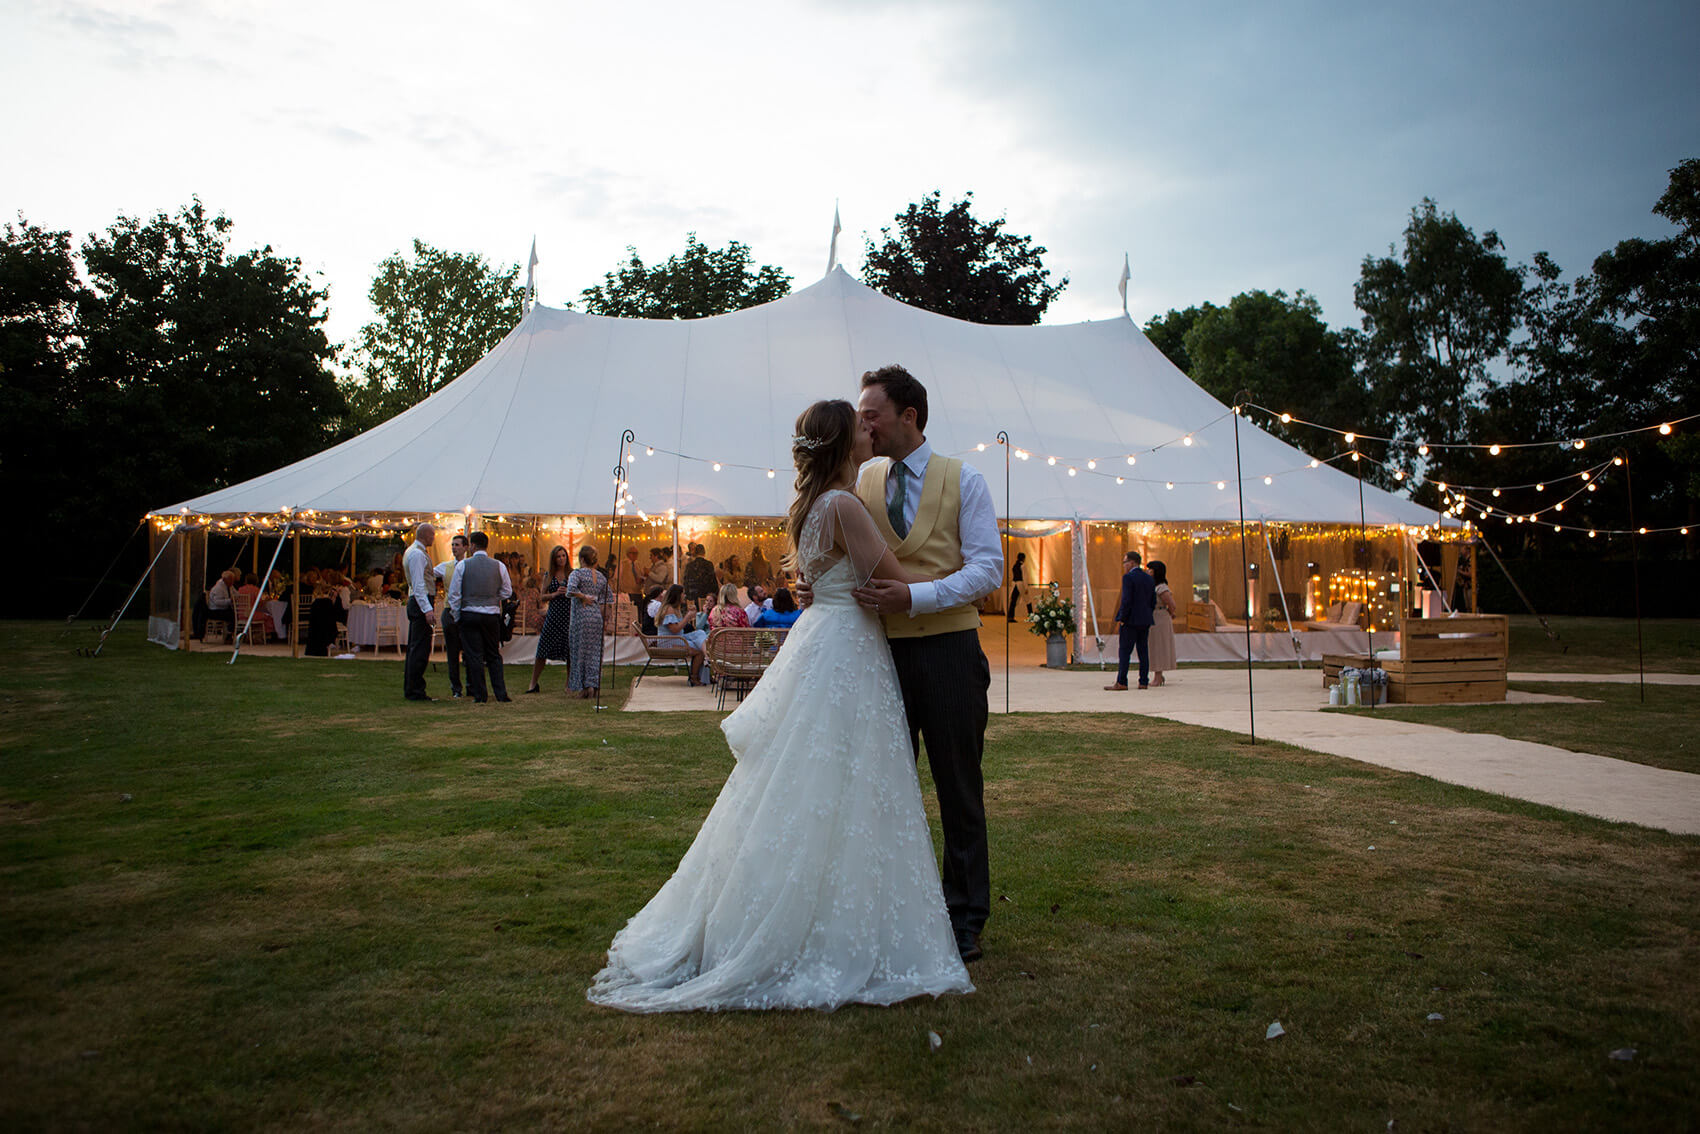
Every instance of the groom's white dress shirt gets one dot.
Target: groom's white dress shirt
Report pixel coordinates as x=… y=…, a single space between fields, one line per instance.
x=976 y=522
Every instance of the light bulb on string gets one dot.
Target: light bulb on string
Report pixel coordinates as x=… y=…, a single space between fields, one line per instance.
x=1496 y=492
x=1071 y=470
x=1422 y=448
x=1579 y=443
x=1187 y=440
x=1220 y=485
x=716 y=466
x=1665 y=429
x=1493 y=450
x=1268 y=480
x=1593 y=487
x=769 y=474
x=1540 y=488
x=1314 y=463
x=1170 y=485
x=1121 y=480
x=1617 y=460
x=1286 y=419
x=1091 y=464
x=980 y=448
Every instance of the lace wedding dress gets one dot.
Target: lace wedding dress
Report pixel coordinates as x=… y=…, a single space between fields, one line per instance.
x=812 y=882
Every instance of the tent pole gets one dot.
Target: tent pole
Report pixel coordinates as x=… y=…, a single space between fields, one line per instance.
x=1240 y=399
x=185 y=608
x=255 y=609
x=1635 y=559
x=1009 y=621
x=295 y=599
x=117 y=617
x=1281 y=589
x=1363 y=541
x=617 y=548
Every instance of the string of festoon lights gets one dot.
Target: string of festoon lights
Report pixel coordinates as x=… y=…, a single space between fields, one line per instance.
x=1456 y=499
x=1492 y=448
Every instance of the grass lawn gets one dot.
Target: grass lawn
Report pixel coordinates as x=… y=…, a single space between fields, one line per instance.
x=1604 y=645
x=274 y=896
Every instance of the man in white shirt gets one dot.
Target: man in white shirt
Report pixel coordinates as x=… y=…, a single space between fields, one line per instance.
x=445 y=572
x=421 y=612
x=933 y=627
x=475 y=596
x=758 y=603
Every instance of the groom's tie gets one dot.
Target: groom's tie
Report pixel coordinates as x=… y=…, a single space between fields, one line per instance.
x=898 y=500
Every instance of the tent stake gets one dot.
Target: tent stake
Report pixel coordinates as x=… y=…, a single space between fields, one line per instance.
x=1240 y=399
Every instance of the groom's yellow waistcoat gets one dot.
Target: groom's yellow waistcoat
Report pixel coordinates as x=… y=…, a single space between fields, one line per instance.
x=934 y=543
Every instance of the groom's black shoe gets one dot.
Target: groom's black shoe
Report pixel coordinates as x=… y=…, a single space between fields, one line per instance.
x=968 y=944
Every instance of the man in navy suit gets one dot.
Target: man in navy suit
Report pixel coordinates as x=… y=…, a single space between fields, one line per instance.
x=1136 y=612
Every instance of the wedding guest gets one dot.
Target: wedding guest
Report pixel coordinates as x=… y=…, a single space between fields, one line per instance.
x=587 y=590
x=699 y=578
x=1162 y=642
x=251 y=587
x=670 y=623
x=650 y=607
x=421 y=612
x=759 y=572
x=660 y=571
x=1018 y=585
x=445 y=572
x=631 y=579
x=758 y=603
x=1134 y=613
x=218 y=604
x=729 y=570
x=554 y=640
x=476 y=597
x=727 y=612
x=783 y=614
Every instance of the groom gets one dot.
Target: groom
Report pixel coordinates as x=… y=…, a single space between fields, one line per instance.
x=936 y=514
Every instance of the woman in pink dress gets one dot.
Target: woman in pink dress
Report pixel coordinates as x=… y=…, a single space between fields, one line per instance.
x=1163 y=628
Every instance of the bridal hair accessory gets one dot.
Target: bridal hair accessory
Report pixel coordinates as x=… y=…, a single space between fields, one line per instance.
x=810 y=443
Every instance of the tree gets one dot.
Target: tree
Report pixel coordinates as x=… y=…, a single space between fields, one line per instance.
x=1281 y=351
x=1168 y=333
x=205 y=368
x=696 y=283
x=39 y=378
x=1435 y=322
x=945 y=260
x=437 y=315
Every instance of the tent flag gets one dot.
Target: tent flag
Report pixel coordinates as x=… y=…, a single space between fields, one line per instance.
x=832 y=253
x=1121 y=286
x=531 y=275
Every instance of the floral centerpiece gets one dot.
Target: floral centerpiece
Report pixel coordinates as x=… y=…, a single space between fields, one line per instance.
x=1052 y=614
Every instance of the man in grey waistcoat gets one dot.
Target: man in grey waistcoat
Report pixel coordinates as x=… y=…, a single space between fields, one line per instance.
x=475 y=597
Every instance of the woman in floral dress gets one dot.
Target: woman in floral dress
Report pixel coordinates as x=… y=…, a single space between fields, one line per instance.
x=587 y=590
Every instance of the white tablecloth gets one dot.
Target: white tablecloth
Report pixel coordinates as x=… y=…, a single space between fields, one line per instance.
x=363 y=624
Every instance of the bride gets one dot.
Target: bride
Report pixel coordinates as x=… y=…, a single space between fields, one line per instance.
x=812 y=882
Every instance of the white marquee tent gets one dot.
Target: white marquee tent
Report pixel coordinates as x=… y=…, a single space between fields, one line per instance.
x=533 y=428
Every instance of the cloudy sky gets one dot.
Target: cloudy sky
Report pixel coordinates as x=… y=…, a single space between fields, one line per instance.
x=1223 y=146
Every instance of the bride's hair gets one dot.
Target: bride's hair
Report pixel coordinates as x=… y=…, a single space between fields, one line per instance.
x=820 y=448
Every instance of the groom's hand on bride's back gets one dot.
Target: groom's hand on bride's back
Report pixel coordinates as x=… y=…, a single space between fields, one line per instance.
x=803 y=593
x=887 y=596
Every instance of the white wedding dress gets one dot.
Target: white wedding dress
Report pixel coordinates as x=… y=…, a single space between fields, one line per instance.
x=812 y=882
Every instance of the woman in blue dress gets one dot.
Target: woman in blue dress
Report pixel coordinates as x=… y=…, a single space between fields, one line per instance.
x=587 y=590
x=671 y=622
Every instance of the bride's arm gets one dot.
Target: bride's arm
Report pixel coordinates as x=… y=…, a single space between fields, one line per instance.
x=869 y=555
